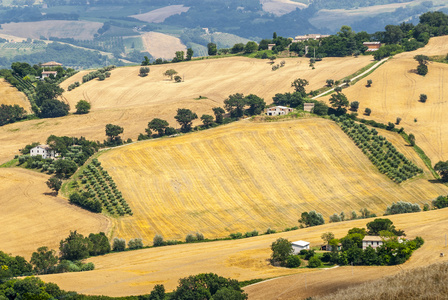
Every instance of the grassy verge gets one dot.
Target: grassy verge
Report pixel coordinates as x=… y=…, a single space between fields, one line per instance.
x=12 y=163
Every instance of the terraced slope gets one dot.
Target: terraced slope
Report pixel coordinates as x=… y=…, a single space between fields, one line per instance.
x=32 y=217
x=136 y=272
x=247 y=176
x=395 y=93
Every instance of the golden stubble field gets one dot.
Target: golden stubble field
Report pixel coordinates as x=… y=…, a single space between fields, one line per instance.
x=161 y=45
x=9 y=95
x=395 y=93
x=32 y=217
x=131 y=101
x=247 y=176
x=136 y=272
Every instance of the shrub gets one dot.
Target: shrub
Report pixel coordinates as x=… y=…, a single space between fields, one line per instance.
x=119 y=245
x=199 y=236
x=158 y=241
x=423 y=98
x=190 y=238
x=398 y=121
x=235 y=236
x=354 y=105
x=312 y=218
x=369 y=83
x=177 y=78
x=135 y=244
x=422 y=69
x=440 y=202
x=402 y=208
x=314 y=262
x=293 y=261
x=270 y=231
x=144 y=71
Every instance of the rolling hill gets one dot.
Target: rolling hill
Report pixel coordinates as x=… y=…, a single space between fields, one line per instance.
x=136 y=272
x=395 y=93
x=10 y=96
x=246 y=176
x=32 y=217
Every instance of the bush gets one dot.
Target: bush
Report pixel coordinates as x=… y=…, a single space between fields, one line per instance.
x=422 y=69
x=423 y=98
x=190 y=238
x=235 y=236
x=119 y=245
x=314 y=262
x=144 y=71
x=402 y=208
x=440 y=202
x=398 y=121
x=158 y=241
x=354 y=105
x=135 y=244
x=177 y=78
x=270 y=231
x=199 y=236
x=293 y=261
x=312 y=218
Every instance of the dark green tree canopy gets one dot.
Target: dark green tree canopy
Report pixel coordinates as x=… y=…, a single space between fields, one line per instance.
x=74 y=247
x=52 y=108
x=299 y=86
x=44 y=260
x=219 y=112
x=158 y=125
x=339 y=102
x=256 y=104
x=185 y=118
x=235 y=104
x=311 y=218
x=113 y=132
x=82 y=107
x=442 y=168
x=54 y=183
x=281 y=250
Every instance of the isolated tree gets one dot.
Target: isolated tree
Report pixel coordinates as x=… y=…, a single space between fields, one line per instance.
x=74 y=247
x=113 y=133
x=251 y=47
x=281 y=249
x=256 y=104
x=299 y=85
x=339 y=102
x=185 y=118
x=367 y=111
x=207 y=120
x=330 y=82
x=235 y=104
x=54 y=183
x=82 y=107
x=144 y=71
x=422 y=68
x=177 y=78
x=412 y=139
x=158 y=240
x=219 y=114
x=354 y=105
x=190 y=53
x=170 y=73
x=146 y=61
x=43 y=260
x=369 y=83
x=442 y=168
x=158 y=125
x=423 y=98
x=212 y=49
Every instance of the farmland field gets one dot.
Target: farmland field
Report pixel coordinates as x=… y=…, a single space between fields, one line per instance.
x=80 y=30
x=32 y=218
x=281 y=7
x=136 y=272
x=10 y=96
x=395 y=93
x=159 y=15
x=246 y=176
x=161 y=45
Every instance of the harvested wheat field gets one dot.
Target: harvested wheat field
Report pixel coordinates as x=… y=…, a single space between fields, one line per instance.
x=33 y=217
x=281 y=7
x=161 y=45
x=9 y=95
x=247 y=176
x=395 y=93
x=136 y=272
x=78 y=30
x=131 y=101
x=159 y=15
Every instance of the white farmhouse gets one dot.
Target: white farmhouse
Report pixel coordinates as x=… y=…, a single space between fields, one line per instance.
x=372 y=241
x=43 y=150
x=300 y=245
x=48 y=73
x=278 y=110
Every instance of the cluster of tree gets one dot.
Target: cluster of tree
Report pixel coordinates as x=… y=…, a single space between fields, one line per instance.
x=11 y=266
x=11 y=113
x=144 y=71
x=236 y=105
x=364 y=214
x=392 y=251
x=101 y=74
x=73 y=86
x=312 y=218
x=402 y=207
x=113 y=135
x=442 y=168
x=86 y=201
x=119 y=245
x=159 y=241
x=440 y=202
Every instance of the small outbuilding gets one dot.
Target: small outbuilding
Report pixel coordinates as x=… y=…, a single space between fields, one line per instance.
x=300 y=245
x=48 y=73
x=270 y=46
x=309 y=107
x=43 y=150
x=278 y=110
x=372 y=46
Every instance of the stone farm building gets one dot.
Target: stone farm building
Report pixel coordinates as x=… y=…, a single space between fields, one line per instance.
x=300 y=245
x=372 y=46
x=51 y=64
x=48 y=73
x=372 y=241
x=43 y=150
x=278 y=110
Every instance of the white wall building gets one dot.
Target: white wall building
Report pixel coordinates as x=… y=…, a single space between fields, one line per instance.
x=44 y=151
x=278 y=110
x=300 y=245
x=372 y=241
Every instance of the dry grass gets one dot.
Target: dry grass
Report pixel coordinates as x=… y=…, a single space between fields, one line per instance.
x=130 y=101
x=9 y=95
x=161 y=45
x=422 y=283
x=136 y=272
x=79 y=30
x=159 y=15
x=31 y=217
x=247 y=176
x=395 y=93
